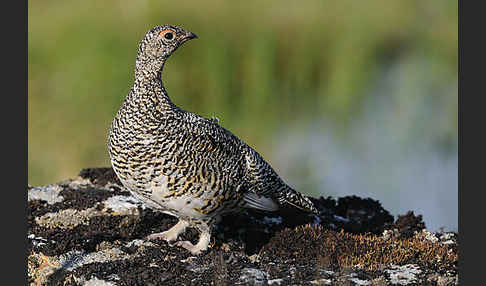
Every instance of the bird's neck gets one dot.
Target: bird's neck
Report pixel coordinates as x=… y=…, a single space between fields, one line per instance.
x=148 y=85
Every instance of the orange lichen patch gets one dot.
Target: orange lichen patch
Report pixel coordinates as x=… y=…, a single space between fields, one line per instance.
x=225 y=247
x=367 y=251
x=40 y=267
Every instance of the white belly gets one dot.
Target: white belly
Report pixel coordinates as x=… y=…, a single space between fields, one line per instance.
x=184 y=205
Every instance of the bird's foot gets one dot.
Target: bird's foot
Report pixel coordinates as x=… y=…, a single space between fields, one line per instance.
x=194 y=249
x=172 y=234
x=166 y=235
x=197 y=249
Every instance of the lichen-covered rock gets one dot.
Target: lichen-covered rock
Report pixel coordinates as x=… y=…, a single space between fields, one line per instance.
x=253 y=276
x=90 y=231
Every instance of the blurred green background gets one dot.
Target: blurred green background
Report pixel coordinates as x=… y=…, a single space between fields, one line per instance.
x=273 y=72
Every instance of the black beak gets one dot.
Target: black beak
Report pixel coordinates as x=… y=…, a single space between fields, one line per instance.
x=190 y=36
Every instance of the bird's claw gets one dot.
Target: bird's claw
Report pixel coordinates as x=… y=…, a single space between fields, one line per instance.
x=194 y=249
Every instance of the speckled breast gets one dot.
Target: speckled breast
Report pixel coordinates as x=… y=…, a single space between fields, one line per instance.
x=176 y=171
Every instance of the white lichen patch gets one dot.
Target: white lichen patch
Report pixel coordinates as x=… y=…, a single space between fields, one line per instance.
x=49 y=193
x=272 y=220
x=79 y=183
x=68 y=218
x=74 y=259
x=328 y=272
x=95 y=282
x=321 y=282
x=278 y=281
x=140 y=242
x=388 y=233
x=122 y=205
x=403 y=275
x=448 y=238
x=357 y=281
x=36 y=240
x=254 y=276
x=42 y=266
x=425 y=235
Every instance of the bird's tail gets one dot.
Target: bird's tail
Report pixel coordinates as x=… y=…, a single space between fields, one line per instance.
x=296 y=199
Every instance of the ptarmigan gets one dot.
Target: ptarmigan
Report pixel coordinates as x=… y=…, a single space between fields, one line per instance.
x=184 y=164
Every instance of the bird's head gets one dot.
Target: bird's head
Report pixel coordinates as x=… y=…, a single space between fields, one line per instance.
x=161 y=41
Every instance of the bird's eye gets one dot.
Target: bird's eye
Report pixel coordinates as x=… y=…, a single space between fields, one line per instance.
x=167 y=34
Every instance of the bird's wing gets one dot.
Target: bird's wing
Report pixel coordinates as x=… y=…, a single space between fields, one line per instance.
x=215 y=146
x=264 y=181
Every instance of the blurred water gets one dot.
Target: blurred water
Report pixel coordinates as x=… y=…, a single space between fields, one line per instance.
x=401 y=149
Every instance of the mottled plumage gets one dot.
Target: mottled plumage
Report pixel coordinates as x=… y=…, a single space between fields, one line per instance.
x=181 y=163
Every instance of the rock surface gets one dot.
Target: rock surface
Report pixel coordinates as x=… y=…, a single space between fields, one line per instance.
x=90 y=231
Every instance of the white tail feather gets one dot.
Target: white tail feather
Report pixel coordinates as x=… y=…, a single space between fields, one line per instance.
x=258 y=202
